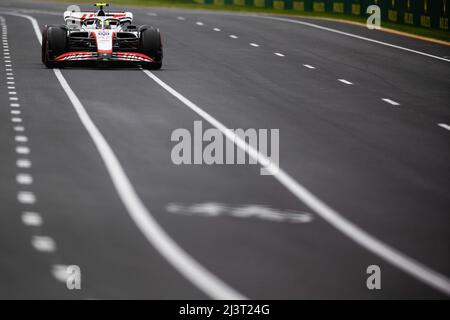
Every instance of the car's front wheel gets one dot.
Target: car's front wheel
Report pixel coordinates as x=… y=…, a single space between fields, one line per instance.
x=151 y=45
x=54 y=43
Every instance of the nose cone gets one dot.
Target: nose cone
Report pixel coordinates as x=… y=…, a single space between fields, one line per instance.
x=104 y=56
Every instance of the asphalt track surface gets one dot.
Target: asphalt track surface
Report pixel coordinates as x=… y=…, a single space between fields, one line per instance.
x=383 y=167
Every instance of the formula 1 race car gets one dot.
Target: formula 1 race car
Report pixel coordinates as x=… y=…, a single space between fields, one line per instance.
x=101 y=37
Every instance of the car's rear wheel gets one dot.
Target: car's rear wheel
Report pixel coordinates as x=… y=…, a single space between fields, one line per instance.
x=54 y=43
x=151 y=46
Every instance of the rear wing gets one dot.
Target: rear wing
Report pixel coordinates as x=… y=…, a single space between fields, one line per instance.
x=79 y=16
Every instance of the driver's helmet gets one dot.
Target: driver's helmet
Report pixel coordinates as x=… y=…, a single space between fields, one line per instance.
x=98 y=24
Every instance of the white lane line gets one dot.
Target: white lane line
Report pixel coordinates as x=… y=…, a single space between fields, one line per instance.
x=59 y=271
x=15 y=112
x=26 y=197
x=16 y=120
x=443 y=125
x=217 y=29
x=44 y=244
x=233 y=36
x=353 y=36
x=309 y=66
x=12 y=93
x=22 y=150
x=13 y=98
x=14 y=105
x=24 y=178
x=199 y=23
x=278 y=54
x=23 y=163
x=19 y=128
x=21 y=138
x=155 y=234
x=181 y=18
x=32 y=219
x=254 y=44
x=167 y=247
x=345 y=81
x=186 y=265
x=11 y=88
x=153 y=14
x=364 y=239
x=392 y=102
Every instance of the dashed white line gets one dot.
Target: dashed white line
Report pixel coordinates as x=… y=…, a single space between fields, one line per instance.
x=19 y=128
x=23 y=163
x=443 y=125
x=184 y=263
x=15 y=112
x=216 y=29
x=14 y=105
x=26 y=197
x=21 y=138
x=392 y=102
x=309 y=66
x=16 y=119
x=13 y=98
x=364 y=239
x=233 y=36
x=32 y=219
x=345 y=82
x=24 y=178
x=153 y=14
x=181 y=18
x=59 y=271
x=353 y=36
x=22 y=150
x=43 y=243
x=278 y=54
x=254 y=44
x=199 y=23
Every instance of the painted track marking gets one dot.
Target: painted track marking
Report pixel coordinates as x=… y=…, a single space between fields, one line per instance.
x=403 y=262
x=358 y=235
x=445 y=126
x=354 y=36
x=198 y=275
x=391 y=102
x=345 y=82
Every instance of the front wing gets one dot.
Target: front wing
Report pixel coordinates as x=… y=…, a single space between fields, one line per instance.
x=103 y=57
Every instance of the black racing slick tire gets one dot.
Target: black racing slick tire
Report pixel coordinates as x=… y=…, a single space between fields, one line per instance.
x=54 y=43
x=151 y=45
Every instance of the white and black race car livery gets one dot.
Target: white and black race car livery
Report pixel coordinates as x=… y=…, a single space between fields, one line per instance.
x=101 y=37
